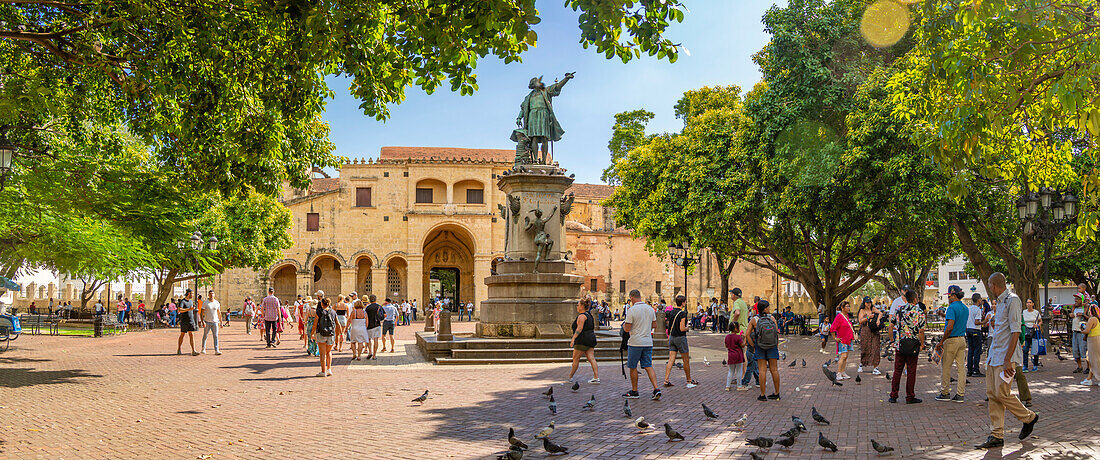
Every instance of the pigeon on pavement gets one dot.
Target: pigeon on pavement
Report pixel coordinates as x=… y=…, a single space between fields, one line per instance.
x=420 y=399
x=880 y=448
x=887 y=374
x=709 y=413
x=825 y=442
x=792 y=364
x=817 y=416
x=858 y=380
x=552 y=448
x=546 y=431
x=553 y=406
x=791 y=433
x=576 y=386
x=514 y=453
x=724 y=362
x=798 y=423
x=514 y=441
x=705 y=362
x=591 y=404
x=626 y=408
x=672 y=434
x=740 y=423
x=785 y=442
x=831 y=376
x=755 y=456
x=803 y=362
x=548 y=393
x=761 y=442
x=641 y=424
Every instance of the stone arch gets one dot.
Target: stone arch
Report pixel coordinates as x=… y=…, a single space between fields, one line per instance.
x=314 y=256
x=363 y=253
x=384 y=261
x=282 y=264
x=397 y=278
x=461 y=187
x=449 y=250
x=325 y=274
x=284 y=279
x=364 y=264
x=438 y=187
x=459 y=229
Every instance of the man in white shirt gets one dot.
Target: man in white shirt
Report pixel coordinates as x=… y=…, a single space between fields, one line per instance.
x=974 y=338
x=639 y=323
x=249 y=310
x=1004 y=357
x=208 y=313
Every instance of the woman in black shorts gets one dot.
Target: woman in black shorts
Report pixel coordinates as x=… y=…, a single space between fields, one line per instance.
x=188 y=325
x=584 y=341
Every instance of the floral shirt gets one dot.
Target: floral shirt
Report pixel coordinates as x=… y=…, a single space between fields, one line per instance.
x=910 y=321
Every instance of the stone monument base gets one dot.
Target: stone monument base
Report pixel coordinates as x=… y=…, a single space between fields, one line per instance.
x=530 y=305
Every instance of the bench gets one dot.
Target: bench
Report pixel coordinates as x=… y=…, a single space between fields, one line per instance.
x=111 y=321
x=35 y=323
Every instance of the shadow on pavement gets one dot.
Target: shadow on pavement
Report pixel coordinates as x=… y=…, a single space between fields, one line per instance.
x=16 y=359
x=24 y=377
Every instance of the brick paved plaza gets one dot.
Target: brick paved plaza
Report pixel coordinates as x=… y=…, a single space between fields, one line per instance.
x=129 y=396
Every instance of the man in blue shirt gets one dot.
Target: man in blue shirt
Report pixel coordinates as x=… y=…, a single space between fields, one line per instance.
x=953 y=346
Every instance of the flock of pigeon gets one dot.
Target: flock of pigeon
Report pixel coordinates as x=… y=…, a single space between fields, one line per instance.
x=788 y=438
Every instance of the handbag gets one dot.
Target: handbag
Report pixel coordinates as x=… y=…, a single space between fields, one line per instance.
x=1040 y=345
x=909 y=346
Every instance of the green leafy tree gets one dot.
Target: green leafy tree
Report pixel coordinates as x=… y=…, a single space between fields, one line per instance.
x=990 y=85
x=627 y=133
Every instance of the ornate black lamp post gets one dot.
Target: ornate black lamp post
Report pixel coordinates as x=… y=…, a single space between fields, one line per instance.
x=196 y=244
x=1046 y=214
x=681 y=256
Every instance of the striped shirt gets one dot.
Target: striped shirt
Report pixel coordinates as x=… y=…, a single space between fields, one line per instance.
x=271 y=308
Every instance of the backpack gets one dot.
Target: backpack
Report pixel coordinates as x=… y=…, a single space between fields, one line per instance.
x=876 y=323
x=767 y=332
x=326 y=326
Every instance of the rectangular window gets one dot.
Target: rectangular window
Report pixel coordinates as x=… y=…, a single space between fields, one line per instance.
x=657 y=288
x=622 y=286
x=313 y=222
x=592 y=288
x=953 y=276
x=362 y=197
x=475 y=196
x=423 y=195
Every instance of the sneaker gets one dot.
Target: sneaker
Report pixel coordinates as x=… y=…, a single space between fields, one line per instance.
x=761 y=398
x=957 y=398
x=691 y=384
x=203 y=352
x=594 y=381
x=913 y=401
x=194 y=353
x=742 y=388
x=1026 y=403
x=328 y=374
x=893 y=399
x=631 y=395
x=217 y=353
x=1028 y=427
x=1086 y=382
x=656 y=395
x=774 y=396
x=1077 y=371
x=991 y=443
x=979 y=374
x=943 y=397
x=321 y=374
x=876 y=371
x=1025 y=370
x=727 y=388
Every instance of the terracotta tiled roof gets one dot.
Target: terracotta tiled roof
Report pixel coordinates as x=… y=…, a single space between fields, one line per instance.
x=591 y=191
x=446 y=153
x=324 y=184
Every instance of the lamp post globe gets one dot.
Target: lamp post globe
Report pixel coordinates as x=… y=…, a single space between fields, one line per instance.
x=213 y=243
x=196 y=241
x=1069 y=202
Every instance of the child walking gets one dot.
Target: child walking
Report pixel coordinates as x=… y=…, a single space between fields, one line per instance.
x=735 y=351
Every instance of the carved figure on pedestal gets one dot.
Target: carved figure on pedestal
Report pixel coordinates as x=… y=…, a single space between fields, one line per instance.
x=566 y=206
x=543 y=242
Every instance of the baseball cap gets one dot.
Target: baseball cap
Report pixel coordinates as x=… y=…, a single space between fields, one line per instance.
x=867 y=299
x=955 y=290
x=736 y=292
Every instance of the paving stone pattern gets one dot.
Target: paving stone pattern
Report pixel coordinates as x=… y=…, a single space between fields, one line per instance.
x=130 y=396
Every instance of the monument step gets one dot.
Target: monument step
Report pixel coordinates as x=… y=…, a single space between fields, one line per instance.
x=602 y=342
x=543 y=360
x=530 y=353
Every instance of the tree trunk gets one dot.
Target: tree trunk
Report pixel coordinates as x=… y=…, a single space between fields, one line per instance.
x=725 y=270
x=164 y=286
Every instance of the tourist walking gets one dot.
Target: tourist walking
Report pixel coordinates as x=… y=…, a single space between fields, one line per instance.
x=357 y=330
x=324 y=332
x=742 y=315
x=271 y=311
x=1004 y=356
x=311 y=319
x=842 y=329
x=952 y=348
x=374 y=325
x=1033 y=323
x=974 y=338
x=763 y=335
x=342 y=318
x=210 y=321
x=249 y=309
x=171 y=312
x=678 y=343
x=640 y=321
x=1080 y=341
x=735 y=356
x=187 y=323
x=870 y=342
x=583 y=341
x=120 y=307
x=1092 y=334
x=909 y=325
x=389 y=320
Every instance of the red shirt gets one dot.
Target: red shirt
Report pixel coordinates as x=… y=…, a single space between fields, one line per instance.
x=735 y=348
x=843 y=328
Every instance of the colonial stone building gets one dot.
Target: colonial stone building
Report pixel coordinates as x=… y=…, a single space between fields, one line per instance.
x=424 y=221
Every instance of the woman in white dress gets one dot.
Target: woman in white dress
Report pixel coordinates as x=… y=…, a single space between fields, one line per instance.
x=358 y=331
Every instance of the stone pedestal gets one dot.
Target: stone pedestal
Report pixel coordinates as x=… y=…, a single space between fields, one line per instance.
x=524 y=300
x=429 y=325
x=444 y=334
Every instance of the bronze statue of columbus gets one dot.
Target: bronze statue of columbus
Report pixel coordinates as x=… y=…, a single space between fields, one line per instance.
x=538 y=127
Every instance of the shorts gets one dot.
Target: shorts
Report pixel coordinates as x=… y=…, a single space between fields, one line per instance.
x=1080 y=346
x=374 y=333
x=387 y=327
x=770 y=353
x=343 y=320
x=678 y=344
x=324 y=339
x=636 y=356
x=843 y=348
x=580 y=347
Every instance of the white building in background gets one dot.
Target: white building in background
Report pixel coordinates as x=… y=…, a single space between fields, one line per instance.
x=954 y=272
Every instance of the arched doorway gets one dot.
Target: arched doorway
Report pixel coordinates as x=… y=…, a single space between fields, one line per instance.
x=285 y=280
x=363 y=281
x=449 y=255
x=326 y=275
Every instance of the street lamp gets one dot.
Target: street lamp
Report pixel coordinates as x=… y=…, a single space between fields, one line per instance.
x=679 y=253
x=1045 y=215
x=7 y=154
x=196 y=244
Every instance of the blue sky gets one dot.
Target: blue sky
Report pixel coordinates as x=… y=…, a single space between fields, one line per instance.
x=721 y=35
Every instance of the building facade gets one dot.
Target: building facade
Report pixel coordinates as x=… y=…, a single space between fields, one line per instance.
x=421 y=222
